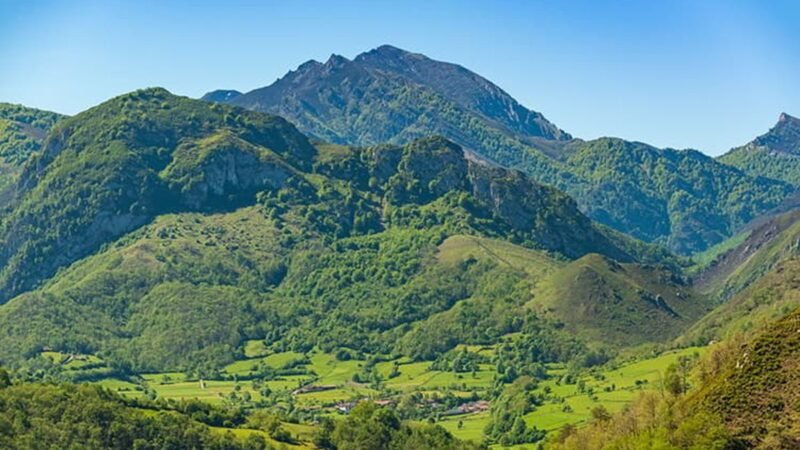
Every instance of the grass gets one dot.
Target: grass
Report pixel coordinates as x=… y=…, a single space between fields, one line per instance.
x=78 y=362
x=333 y=372
x=333 y=396
x=163 y=378
x=613 y=389
x=276 y=361
x=472 y=426
x=118 y=385
x=243 y=433
x=458 y=248
x=215 y=391
x=705 y=258
x=255 y=349
x=417 y=376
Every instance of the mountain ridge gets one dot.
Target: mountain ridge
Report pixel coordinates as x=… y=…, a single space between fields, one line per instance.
x=774 y=154
x=392 y=95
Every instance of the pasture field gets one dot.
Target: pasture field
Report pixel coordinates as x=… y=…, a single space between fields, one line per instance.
x=472 y=426
x=612 y=387
x=249 y=366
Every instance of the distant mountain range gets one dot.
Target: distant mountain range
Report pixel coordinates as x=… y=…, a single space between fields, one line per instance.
x=681 y=199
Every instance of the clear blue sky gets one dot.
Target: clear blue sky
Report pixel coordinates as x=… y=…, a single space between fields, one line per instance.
x=705 y=74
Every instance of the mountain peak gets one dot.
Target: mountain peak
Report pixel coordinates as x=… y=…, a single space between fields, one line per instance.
x=386 y=51
x=308 y=65
x=787 y=119
x=784 y=137
x=336 y=61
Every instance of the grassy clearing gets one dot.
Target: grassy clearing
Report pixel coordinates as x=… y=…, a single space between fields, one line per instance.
x=418 y=376
x=535 y=263
x=471 y=428
x=73 y=361
x=119 y=385
x=255 y=349
x=333 y=372
x=243 y=433
x=246 y=367
x=163 y=378
x=333 y=396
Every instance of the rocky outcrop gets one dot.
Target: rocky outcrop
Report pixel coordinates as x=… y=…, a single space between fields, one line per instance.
x=223 y=168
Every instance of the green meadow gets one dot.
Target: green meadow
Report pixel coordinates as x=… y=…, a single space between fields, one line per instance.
x=612 y=386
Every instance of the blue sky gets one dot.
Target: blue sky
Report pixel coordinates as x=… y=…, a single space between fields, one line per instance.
x=704 y=74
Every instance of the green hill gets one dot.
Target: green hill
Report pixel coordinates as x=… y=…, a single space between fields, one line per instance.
x=620 y=304
x=750 y=256
x=99 y=175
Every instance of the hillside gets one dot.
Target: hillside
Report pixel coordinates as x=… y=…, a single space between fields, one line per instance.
x=70 y=416
x=756 y=393
x=775 y=154
x=742 y=395
x=749 y=256
x=680 y=199
x=109 y=170
x=623 y=304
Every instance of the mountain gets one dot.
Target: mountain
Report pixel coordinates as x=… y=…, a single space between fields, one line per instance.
x=22 y=131
x=775 y=154
x=390 y=68
x=163 y=233
x=111 y=169
x=754 y=281
x=680 y=199
x=390 y=95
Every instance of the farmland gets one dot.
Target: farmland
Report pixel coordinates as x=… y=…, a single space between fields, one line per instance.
x=329 y=383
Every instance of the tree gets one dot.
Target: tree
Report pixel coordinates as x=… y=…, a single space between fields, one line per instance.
x=673 y=380
x=601 y=414
x=367 y=427
x=5 y=379
x=324 y=437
